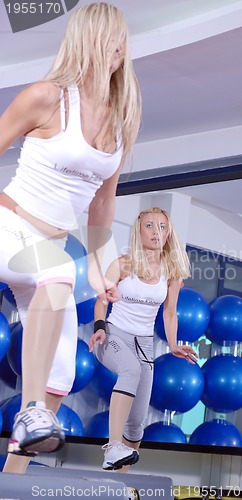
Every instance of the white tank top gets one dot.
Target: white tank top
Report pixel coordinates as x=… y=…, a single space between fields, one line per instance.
x=136 y=311
x=57 y=178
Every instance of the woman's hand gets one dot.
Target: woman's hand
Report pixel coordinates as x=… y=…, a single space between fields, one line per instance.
x=99 y=336
x=186 y=352
x=111 y=295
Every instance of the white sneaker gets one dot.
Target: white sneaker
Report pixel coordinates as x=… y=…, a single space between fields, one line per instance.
x=35 y=430
x=117 y=454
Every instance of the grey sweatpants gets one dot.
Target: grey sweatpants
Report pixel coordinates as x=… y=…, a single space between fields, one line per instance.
x=131 y=357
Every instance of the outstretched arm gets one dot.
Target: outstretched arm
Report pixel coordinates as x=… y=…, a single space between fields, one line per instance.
x=171 y=324
x=100 y=310
x=100 y=218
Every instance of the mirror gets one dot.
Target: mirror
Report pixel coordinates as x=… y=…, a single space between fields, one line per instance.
x=208 y=219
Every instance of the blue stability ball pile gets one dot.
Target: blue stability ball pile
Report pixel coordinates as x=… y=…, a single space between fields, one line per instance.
x=225 y=319
x=193 y=316
x=103 y=382
x=4 y=336
x=98 y=425
x=162 y=432
x=85 y=366
x=177 y=385
x=223 y=383
x=217 y=433
x=70 y=421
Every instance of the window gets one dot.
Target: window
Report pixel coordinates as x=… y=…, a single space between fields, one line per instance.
x=213 y=274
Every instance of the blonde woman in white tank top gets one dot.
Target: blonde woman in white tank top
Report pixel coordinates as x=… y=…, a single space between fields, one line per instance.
x=148 y=276
x=78 y=125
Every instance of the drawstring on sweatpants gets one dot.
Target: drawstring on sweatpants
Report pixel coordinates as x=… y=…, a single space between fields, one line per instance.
x=139 y=348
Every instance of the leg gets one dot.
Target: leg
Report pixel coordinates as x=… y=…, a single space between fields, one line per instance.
x=117 y=356
x=29 y=260
x=119 y=409
x=17 y=464
x=62 y=372
x=49 y=436
x=134 y=427
x=46 y=312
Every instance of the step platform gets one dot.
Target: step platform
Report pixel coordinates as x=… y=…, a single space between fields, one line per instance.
x=62 y=482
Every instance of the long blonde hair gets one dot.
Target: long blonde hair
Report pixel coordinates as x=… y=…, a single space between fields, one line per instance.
x=85 y=45
x=174 y=258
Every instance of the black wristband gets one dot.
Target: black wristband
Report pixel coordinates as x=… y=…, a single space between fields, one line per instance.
x=99 y=325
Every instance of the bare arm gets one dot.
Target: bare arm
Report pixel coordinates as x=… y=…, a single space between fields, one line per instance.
x=100 y=218
x=28 y=111
x=171 y=323
x=101 y=306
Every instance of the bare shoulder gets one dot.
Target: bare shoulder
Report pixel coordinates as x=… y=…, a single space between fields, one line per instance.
x=30 y=109
x=44 y=94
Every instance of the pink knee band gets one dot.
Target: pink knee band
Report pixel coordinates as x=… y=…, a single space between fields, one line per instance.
x=51 y=390
x=60 y=279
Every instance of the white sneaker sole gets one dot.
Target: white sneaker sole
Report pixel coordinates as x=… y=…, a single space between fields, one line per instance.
x=130 y=460
x=46 y=445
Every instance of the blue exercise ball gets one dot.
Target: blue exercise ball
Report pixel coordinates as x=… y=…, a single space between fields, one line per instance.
x=225 y=319
x=74 y=247
x=162 y=432
x=3 y=286
x=85 y=366
x=70 y=421
x=9 y=410
x=223 y=383
x=177 y=385
x=103 y=381
x=193 y=316
x=79 y=254
x=4 y=336
x=85 y=306
x=1 y=421
x=98 y=425
x=15 y=349
x=216 y=432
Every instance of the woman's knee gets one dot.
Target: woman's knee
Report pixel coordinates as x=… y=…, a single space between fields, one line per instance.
x=129 y=378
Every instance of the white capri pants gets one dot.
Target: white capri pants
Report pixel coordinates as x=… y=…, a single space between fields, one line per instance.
x=28 y=259
x=131 y=357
